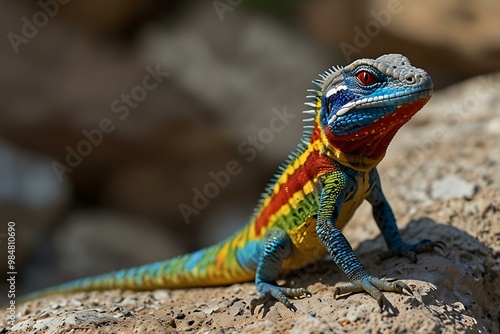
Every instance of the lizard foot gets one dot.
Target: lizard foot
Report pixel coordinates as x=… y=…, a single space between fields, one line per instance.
x=374 y=286
x=411 y=250
x=268 y=291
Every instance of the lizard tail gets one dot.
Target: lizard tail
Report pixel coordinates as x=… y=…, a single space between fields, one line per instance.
x=212 y=266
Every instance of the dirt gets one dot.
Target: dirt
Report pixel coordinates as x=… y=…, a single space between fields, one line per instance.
x=445 y=189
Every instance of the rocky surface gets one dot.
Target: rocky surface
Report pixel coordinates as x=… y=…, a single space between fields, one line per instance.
x=453 y=292
x=450 y=193
x=228 y=73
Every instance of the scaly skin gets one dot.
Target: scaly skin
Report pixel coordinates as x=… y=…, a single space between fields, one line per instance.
x=356 y=113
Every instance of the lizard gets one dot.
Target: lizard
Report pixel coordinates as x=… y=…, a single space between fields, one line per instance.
x=356 y=111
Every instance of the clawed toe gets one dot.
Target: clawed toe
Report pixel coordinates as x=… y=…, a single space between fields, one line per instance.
x=441 y=245
x=295 y=292
x=402 y=287
x=258 y=301
x=347 y=288
x=429 y=246
x=269 y=291
x=374 y=286
x=410 y=251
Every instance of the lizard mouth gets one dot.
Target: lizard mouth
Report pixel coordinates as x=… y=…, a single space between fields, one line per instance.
x=386 y=111
x=401 y=115
x=372 y=140
x=381 y=101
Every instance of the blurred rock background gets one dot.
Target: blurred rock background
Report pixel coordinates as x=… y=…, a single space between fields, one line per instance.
x=73 y=82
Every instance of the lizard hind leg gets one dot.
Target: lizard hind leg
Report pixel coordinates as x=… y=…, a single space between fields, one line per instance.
x=277 y=246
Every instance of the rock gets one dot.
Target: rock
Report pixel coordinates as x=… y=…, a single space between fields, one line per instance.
x=417 y=192
x=93 y=242
x=452 y=292
x=31 y=196
x=112 y=17
x=430 y=32
x=459 y=111
x=159 y=129
x=167 y=143
x=451 y=186
x=225 y=80
x=65 y=321
x=493 y=126
x=241 y=78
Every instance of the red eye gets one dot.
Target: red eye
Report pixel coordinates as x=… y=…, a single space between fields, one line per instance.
x=366 y=78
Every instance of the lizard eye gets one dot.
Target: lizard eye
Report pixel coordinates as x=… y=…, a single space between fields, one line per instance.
x=366 y=78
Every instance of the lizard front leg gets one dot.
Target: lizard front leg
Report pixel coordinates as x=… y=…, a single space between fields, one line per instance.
x=277 y=246
x=331 y=199
x=384 y=217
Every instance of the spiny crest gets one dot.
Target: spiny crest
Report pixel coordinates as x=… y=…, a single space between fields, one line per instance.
x=315 y=96
x=268 y=190
x=313 y=103
x=330 y=71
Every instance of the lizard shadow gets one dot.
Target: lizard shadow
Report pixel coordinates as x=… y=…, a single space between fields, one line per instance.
x=430 y=267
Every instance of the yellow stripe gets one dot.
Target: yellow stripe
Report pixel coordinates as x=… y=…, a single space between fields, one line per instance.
x=289 y=171
x=293 y=166
x=317 y=145
x=293 y=202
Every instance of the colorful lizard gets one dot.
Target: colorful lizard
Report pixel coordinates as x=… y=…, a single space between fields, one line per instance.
x=356 y=112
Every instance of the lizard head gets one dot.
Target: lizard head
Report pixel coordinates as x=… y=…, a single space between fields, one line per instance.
x=362 y=105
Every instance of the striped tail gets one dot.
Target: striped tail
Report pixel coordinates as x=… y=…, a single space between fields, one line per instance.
x=212 y=266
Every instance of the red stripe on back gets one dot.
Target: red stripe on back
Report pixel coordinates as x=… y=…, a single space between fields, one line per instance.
x=314 y=165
